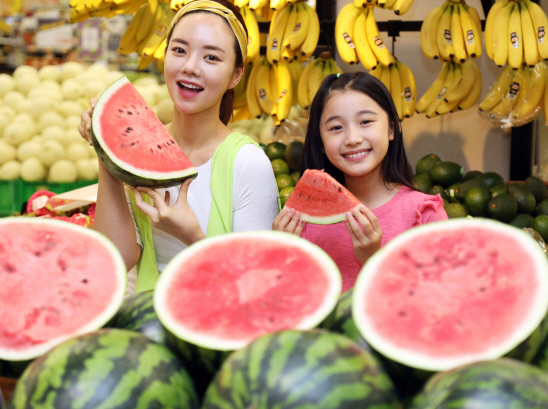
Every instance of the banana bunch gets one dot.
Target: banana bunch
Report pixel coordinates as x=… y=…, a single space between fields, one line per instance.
x=398 y=6
x=81 y=10
x=240 y=95
x=253 y=34
x=270 y=89
x=457 y=87
x=516 y=96
x=452 y=32
x=294 y=33
x=313 y=75
x=358 y=39
x=514 y=33
x=400 y=81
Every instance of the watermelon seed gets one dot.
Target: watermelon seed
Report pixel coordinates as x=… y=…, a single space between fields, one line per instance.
x=411 y=293
x=340 y=190
x=159 y=147
x=10 y=268
x=402 y=314
x=129 y=113
x=146 y=108
x=482 y=289
x=121 y=111
x=132 y=143
x=129 y=128
x=85 y=280
x=62 y=264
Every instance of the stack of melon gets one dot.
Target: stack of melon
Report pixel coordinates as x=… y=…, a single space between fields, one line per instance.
x=40 y=114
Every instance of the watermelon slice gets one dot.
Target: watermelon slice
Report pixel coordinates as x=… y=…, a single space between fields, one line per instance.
x=449 y=293
x=321 y=199
x=132 y=142
x=57 y=280
x=223 y=292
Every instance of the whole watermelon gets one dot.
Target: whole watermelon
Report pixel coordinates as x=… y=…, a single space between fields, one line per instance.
x=498 y=384
x=301 y=369
x=109 y=368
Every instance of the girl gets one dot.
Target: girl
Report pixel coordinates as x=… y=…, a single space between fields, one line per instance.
x=354 y=134
x=235 y=189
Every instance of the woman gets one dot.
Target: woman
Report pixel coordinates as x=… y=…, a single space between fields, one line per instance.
x=204 y=61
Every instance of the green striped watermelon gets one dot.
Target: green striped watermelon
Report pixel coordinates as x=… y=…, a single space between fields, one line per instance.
x=109 y=368
x=499 y=384
x=301 y=369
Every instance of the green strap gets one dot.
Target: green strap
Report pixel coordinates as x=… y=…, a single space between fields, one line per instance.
x=147 y=269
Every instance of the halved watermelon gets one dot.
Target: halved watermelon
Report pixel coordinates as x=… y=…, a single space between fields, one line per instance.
x=132 y=142
x=449 y=293
x=321 y=199
x=225 y=291
x=57 y=280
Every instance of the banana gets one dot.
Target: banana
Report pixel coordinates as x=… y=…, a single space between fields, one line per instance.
x=409 y=89
x=240 y=95
x=429 y=32
x=498 y=89
x=396 y=90
x=540 y=23
x=365 y=54
x=473 y=96
x=311 y=41
x=241 y=3
x=263 y=91
x=285 y=90
x=471 y=33
x=500 y=34
x=530 y=47
x=296 y=38
x=457 y=35
x=343 y=33
x=256 y=4
x=401 y=6
x=375 y=41
x=286 y=54
x=475 y=17
x=465 y=84
x=524 y=90
x=452 y=79
x=251 y=96
x=149 y=22
x=434 y=90
x=274 y=87
x=296 y=69
x=278 y=4
x=360 y=4
x=315 y=78
x=377 y=73
x=388 y=4
x=302 y=91
x=385 y=77
x=504 y=107
x=144 y=61
x=128 y=42
x=532 y=93
x=254 y=41
x=515 y=45
x=443 y=36
x=275 y=35
x=75 y=17
x=159 y=35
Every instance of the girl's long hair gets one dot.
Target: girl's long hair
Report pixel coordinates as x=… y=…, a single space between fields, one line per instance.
x=395 y=168
x=227 y=102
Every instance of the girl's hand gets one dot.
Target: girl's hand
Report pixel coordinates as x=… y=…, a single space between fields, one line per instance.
x=85 y=126
x=366 y=241
x=288 y=221
x=177 y=220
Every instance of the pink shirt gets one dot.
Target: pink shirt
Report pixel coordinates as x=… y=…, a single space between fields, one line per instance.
x=407 y=209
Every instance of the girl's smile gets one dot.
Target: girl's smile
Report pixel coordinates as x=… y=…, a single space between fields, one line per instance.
x=356 y=154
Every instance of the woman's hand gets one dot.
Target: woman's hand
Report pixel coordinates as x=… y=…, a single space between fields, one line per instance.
x=365 y=231
x=177 y=220
x=85 y=125
x=288 y=221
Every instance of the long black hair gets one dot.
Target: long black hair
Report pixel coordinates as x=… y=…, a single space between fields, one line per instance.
x=395 y=167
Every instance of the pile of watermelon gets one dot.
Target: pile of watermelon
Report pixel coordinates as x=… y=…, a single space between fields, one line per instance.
x=449 y=314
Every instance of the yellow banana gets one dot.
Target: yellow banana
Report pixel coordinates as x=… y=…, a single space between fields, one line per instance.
x=128 y=42
x=251 y=96
x=443 y=37
x=388 y=4
x=159 y=35
x=241 y=3
x=360 y=4
x=287 y=55
x=465 y=84
x=498 y=89
x=385 y=77
x=144 y=61
x=401 y=6
x=475 y=17
x=409 y=89
x=429 y=28
x=434 y=90
x=471 y=33
x=515 y=45
x=501 y=34
x=377 y=72
x=274 y=88
x=263 y=91
x=490 y=26
x=311 y=41
x=524 y=90
x=396 y=90
x=344 y=26
x=285 y=90
x=469 y=100
x=540 y=22
x=254 y=40
x=315 y=79
x=275 y=36
x=256 y=4
x=365 y=54
x=453 y=76
x=296 y=69
x=457 y=35
x=530 y=48
x=375 y=41
x=533 y=92
x=75 y=17
x=278 y=4
x=302 y=90
x=447 y=106
x=296 y=38
x=504 y=108
x=240 y=96
x=149 y=22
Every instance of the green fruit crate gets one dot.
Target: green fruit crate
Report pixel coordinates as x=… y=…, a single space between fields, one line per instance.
x=13 y=193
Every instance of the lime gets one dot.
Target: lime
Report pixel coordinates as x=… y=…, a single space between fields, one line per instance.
x=542 y=208
x=441 y=191
x=280 y=167
x=498 y=190
x=275 y=150
x=296 y=176
x=293 y=152
x=537 y=187
x=503 y=207
x=492 y=179
x=464 y=187
x=476 y=201
x=446 y=173
x=425 y=164
x=422 y=183
x=284 y=194
x=526 y=200
x=540 y=225
x=522 y=221
x=284 y=180
x=471 y=175
x=455 y=210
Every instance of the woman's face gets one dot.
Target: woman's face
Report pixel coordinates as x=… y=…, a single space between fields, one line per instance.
x=355 y=133
x=199 y=63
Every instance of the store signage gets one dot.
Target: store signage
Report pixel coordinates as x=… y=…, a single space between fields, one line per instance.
x=54 y=34
x=90 y=40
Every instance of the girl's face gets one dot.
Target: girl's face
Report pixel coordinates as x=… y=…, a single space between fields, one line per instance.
x=199 y=63
x=355 y=133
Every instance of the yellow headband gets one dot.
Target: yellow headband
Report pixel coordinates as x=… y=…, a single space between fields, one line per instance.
x=220 y=10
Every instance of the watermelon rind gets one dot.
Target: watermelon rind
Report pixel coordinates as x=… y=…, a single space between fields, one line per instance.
x=336 y=218
x=168 y=275
x=124 y=171
x=529 y=324
x=120 y=272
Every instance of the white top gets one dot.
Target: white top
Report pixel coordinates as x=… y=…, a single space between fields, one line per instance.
x=254 y=196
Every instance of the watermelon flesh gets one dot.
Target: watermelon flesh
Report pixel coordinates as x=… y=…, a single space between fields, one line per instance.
x=321 y=199
x=57 y=280
x=225 y=291
x=449 y=293
x=132 y=142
